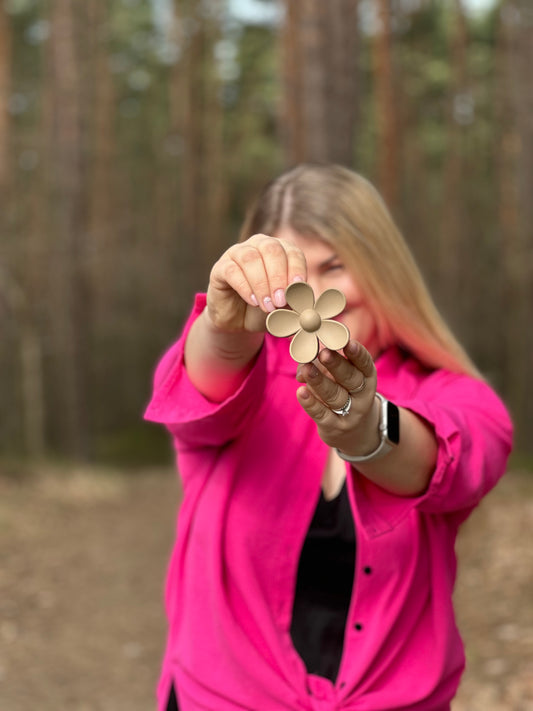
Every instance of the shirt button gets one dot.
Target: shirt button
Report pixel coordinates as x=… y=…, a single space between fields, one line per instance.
x=358 y=626
x=367 y=570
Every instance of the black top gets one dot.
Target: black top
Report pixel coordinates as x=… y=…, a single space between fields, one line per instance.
x=324 y=586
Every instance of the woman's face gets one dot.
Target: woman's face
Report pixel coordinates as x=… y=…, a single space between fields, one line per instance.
x=325 y=271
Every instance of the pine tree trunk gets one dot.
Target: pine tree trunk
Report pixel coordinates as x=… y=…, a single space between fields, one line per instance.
x=5 y=81
x=387 y=115
x=320 y=43
x=516 y=188
x=453 y=252
x=102 y=195
x=198 y=116
x=69 y=287
x=31 y=370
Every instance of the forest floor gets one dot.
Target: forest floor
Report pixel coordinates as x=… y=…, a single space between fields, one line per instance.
x=83 y=554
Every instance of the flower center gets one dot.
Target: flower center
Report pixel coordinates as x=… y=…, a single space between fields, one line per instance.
x=310 y=320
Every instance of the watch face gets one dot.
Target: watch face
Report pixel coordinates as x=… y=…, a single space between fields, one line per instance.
x=393 y=423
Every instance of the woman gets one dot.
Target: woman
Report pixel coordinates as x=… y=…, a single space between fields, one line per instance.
x=314 y=563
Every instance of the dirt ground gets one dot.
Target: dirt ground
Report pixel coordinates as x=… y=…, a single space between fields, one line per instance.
x=82 y=560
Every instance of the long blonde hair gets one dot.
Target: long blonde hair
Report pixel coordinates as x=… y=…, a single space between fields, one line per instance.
x=344 y=210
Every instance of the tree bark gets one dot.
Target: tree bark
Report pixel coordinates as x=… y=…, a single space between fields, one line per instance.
x=516 y=188
x=31 y=369
x=320 y=43
x=198 y=117
x=5 y=81
x=453 y=253
x=69 y=287
x=101 y=189
x=14 y=293
x=387 y=117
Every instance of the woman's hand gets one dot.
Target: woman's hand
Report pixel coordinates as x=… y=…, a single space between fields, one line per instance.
x=407 y=469
x=246 y=283
x=329 y=386
x=249 y=281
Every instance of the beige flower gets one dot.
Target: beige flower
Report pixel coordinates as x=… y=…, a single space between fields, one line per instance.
x=310 y=322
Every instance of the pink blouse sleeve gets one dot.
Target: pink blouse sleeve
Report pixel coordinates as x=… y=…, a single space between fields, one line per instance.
x=474 y=436
x=193 y=420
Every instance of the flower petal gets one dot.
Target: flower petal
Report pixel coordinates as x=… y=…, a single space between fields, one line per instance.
x=304 y=347
x=282 y=322
x=334 y=335
x=300 y=296
x=330 y=303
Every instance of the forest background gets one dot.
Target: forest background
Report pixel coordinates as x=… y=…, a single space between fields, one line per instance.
x=133 y=134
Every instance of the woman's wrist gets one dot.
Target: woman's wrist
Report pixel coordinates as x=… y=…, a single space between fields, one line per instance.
x=217 y=361
x=367 y=437
x=230 y=345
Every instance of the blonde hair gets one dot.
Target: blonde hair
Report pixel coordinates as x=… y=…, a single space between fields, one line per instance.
x=344 y=210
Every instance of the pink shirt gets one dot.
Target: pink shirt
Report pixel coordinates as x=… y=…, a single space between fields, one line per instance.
x=251 y=468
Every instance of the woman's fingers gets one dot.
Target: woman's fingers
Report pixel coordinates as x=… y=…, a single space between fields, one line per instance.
x=296 y=264
x=264 y=261
x=329 y=391
x=315 y=408
x=336 y=377
x=249 y=281
x=265 y=267
x=353 y=371
x=360 y=357
x=248 y=260
x=347 y=385
x=227 y=275
x=340 y=383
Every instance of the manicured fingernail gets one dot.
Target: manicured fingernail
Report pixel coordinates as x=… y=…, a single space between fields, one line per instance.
x=254 y=300
x=269 y=306
x=298 y=278
x=279 y=297
x=304 y=394
x=313 y=372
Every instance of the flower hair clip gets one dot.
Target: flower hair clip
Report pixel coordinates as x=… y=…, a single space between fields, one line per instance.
x=309 y=322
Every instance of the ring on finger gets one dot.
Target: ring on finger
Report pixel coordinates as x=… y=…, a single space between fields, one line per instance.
x=359 y=388
x=345 y=409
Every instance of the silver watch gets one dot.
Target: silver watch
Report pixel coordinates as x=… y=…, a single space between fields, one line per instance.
x=389 y=431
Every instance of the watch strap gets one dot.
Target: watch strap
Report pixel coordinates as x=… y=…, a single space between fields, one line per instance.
x=385 y=445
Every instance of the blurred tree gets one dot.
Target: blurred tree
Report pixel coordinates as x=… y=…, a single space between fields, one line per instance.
x=198 y=115
x=29 y=353
x=5 y=81
x=516 y=211
x=387 y=115
x=453 y=253
x=15 y=289
x=99 y=100
x=69 y=287
x=320 y=80
x=251 y=96
x=133 y=135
